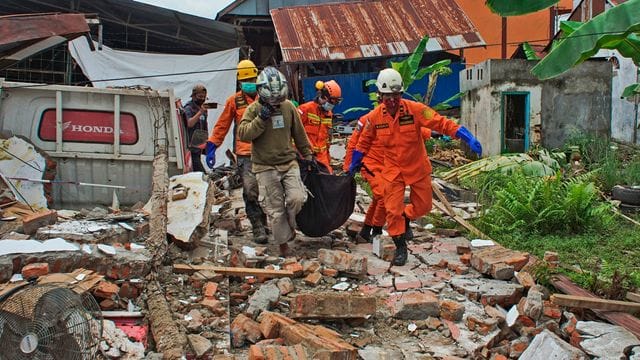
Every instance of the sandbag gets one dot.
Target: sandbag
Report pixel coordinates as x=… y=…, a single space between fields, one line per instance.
x=329 y=204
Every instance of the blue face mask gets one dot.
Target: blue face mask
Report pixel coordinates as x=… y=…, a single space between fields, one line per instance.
x=248 y=87
x=327 y=106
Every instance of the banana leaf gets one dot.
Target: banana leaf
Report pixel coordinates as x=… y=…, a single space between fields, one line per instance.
x=529 y=52
x=568 y=27
x=445 y=104
x=613 y=29
x=631 y=90
x=408 y=67
x=518 y=7
x=433 y=67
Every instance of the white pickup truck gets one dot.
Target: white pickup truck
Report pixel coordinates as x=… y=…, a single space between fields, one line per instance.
x=75 y=126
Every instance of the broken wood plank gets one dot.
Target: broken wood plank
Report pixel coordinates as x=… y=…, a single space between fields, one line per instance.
x=633 y=297
x=627 y=321
x=462 y=222
x=576 y=301
x=436 y=189
x=232 y=271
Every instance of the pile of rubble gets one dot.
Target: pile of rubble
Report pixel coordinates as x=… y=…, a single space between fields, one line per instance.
x=336 y=299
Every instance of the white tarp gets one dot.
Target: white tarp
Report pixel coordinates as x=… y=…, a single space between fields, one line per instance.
x=217 y=71
x=20 y=160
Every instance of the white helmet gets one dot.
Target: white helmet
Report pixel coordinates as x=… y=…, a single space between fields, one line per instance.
x=389 y=81
x=272 y=86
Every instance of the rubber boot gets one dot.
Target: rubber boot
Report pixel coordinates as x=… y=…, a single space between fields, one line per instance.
x=259 y=231
x=364 y=235
x=408 y=233
x=401 y=254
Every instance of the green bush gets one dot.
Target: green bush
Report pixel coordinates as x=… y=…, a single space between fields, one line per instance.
x=551 y=205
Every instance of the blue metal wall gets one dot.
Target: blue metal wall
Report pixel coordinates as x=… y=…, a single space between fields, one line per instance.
x=355 y=95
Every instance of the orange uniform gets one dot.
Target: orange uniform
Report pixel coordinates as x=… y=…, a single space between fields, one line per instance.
x=234 y=107
x=405 y=157
x=374 y=162
x=317 y=124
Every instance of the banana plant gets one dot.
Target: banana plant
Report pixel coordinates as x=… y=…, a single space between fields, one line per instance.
x=518 y=7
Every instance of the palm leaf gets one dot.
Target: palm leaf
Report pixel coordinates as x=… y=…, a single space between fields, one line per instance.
x=611 y=29
x=518 y=7
x=529 y=52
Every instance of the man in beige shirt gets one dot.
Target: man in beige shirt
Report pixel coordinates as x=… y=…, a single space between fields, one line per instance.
x=270 y=124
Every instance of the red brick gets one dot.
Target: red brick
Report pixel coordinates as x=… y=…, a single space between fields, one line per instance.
x=466 y=258
x=256 y=353
x=210 y=289
x=35 y=270
x=128 y=291
x=32 y=222
x=106 y=290
x=498 y=357
x=332 y=306
x=313 y=279
x=349 y=264
x=295 y=267
x=518 y=346
x=525 y=279
x=107 y=304
x=575 y=339
x=214 y=305
x=329 y=272
x=482 y=326
x=242 y=329
x=551 y=310
x=451 y=310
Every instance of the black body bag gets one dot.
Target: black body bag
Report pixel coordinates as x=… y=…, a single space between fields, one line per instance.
x=330 y=202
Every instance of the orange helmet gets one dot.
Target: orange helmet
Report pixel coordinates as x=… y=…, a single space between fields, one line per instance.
x=247 y=70
x=330 y=90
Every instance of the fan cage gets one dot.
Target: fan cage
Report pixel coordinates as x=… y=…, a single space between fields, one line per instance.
x=49 y=321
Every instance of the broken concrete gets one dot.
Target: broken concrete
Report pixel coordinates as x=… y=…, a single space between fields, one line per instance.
x=548 y=345
x=188 y=214
x=605 y=340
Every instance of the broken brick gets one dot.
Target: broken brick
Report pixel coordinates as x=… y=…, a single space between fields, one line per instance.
x=32 y=222
x=34 y=270
x=466 y=258
x=451 y=310
x=487 y=259
x=313 y=279
x=267 y=352
x=329 y=272
x=480 y=325
x=210 y=289
x=244 y=329
x=551 y=310
x=525 y=279
x=349 y=264
x=106 y=290
x=332 y=306
x=295 y=267
x=128 y=291
x=416 y=306
x=285 y=285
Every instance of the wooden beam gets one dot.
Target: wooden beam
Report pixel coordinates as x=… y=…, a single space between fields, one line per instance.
x=575 y=301
x=627 y=321
x=232 y=271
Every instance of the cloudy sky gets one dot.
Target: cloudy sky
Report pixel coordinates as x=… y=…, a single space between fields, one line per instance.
x=203 y=8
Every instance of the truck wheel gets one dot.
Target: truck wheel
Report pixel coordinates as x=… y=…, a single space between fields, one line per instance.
x=626 y=194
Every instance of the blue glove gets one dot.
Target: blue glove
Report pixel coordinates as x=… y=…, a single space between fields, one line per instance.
x=265 y=110
x=356 y=162
x=211 y=154
x=473 y=143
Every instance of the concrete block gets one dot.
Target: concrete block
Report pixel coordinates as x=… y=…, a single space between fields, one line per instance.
x=349 y=264
x=548 y=345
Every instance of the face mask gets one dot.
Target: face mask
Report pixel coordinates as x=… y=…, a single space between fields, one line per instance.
x=248 y=87
x=390 y=103
x=327 y=106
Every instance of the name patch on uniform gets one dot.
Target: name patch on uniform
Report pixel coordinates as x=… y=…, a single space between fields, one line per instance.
x=406 y=119
x=277 y=121
x=382 y=126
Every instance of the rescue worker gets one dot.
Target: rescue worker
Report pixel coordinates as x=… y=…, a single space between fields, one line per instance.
x=195 y=114
x=317 y=118
x=234 y=107
x=396 y=122
x=373 y=164
x=272 y=125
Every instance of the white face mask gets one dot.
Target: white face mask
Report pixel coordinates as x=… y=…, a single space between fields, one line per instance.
x=327 y=106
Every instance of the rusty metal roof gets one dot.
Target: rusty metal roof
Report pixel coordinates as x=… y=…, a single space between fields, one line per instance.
x=367 y=29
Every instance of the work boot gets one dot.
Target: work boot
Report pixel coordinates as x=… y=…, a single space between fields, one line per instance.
x=400 y=256
x=259 y=231
x=364 y=235
x=376 y=230
x=408 y=233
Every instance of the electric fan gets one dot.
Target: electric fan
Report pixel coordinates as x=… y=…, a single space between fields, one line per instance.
x=49 y=321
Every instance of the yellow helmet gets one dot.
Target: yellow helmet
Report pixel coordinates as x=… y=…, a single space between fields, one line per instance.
x=247 y=70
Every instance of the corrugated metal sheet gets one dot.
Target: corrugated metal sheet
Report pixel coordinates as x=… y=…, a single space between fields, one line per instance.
x=371 y=29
